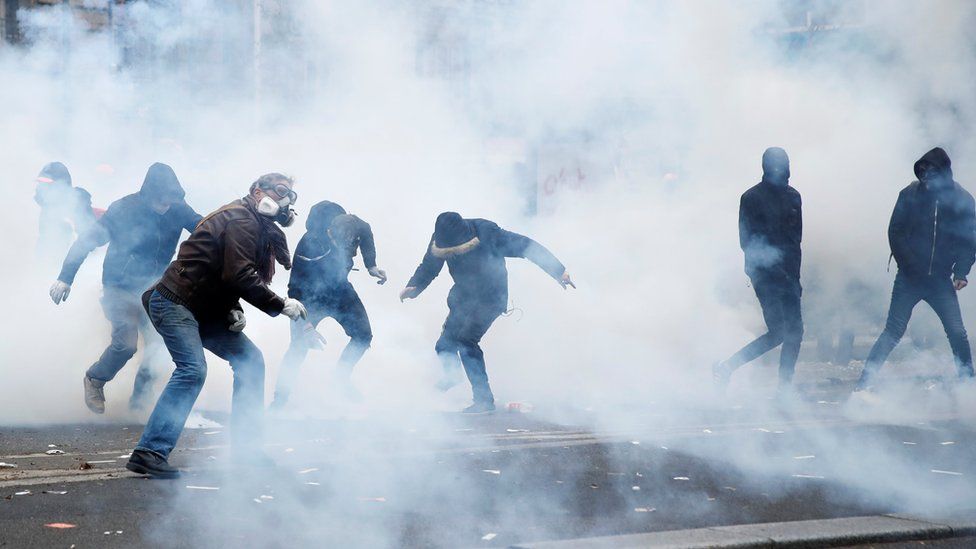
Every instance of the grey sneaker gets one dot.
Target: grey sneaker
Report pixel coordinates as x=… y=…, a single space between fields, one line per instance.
x=95 y=395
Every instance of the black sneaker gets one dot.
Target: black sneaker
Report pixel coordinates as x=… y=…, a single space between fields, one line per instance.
x=479 y=408
x=148 y=463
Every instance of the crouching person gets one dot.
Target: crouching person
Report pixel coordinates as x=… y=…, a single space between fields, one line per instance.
x=196 y=306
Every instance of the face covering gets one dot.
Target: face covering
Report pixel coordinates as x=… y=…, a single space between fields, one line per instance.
x=280 y=211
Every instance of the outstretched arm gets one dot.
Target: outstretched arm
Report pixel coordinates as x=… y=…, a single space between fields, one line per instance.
x=96 y=235
x=515 y=245
x=426 y=272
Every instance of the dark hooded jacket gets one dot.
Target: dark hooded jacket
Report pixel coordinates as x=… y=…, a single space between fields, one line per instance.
x=932 y=232
x=230 y=256
x=323 y=263
x=476 y=262
x=64 y=209
x=771 y=223
x=140 y=241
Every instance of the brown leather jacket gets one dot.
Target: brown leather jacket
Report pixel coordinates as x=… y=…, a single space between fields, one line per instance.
x=228 y=257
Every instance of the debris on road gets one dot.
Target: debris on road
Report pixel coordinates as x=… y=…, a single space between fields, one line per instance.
x=941 y=472
x=805 y=457
x=267 y=497
x=23 y=493
x=947 y=443
x=203 y=487
x=103 y=461
x=4 y=465
x=489 y=537
x=635 y=488
x=644 y=509
x=807 y=476
x=313 y=484
x=60 y=525
x=909 y=443
x=491 y=471
x=54 y=452
x=211 y=432
x=84 y=466
x=517 y=430
x=57 y=493
x=124 y=456
x=307 y=471
x=681 y=478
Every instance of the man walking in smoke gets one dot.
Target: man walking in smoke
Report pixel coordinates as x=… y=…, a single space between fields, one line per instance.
x=932 y=234
x=65 y=210
x=196 y=305
x=770 y=231
x=323 y=260
x=475 y=252
x=141 y=230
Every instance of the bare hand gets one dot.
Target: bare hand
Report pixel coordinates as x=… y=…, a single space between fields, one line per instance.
x=959 y=284
x=409 y=292
x=565 y=281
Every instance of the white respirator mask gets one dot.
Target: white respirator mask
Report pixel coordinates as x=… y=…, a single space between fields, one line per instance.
x=279 y=210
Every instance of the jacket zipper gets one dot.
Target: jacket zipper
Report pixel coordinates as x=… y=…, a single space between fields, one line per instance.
x=935 y=232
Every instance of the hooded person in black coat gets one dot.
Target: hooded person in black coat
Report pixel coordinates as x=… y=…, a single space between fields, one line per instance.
x=770 y=232
x=320 y=280
x=142 y=231
x=932 y=235
x=65 y=210
x=475 y=252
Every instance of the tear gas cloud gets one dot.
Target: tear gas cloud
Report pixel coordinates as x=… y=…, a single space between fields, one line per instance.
x=648 y=118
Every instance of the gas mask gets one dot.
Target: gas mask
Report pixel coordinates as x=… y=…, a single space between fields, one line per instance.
x=280 y=210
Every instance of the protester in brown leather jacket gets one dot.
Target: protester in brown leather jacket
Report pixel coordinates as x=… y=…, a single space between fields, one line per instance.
x=196 y=306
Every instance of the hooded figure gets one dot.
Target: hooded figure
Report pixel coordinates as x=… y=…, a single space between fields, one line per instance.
x=320 y=280
x=475 y=252
x=770 y=232
x=932 y=234
x=142 y=230
x=65 y=210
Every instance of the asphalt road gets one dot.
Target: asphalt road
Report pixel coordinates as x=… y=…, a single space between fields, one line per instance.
x=443 y=480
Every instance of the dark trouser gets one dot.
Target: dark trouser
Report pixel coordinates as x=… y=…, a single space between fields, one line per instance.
x=779 y=298
x=186 y=338
x=123 y=309
x=459 y=345
x=941 y=296
x=347 y=309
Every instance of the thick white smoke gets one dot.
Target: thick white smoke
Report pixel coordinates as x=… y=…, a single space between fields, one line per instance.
x=657 y=112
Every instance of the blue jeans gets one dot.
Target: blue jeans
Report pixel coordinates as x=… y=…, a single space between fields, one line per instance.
x=186 y=338
x=123 y=309
x=941 y=296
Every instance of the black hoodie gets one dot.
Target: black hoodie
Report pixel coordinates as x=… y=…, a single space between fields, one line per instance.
x=477 y=264
x=322 y=264
x=771 y=222
x=64 y=209
x=932 y=232
x=141 y=241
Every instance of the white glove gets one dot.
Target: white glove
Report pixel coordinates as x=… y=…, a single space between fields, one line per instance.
x=294 y=309
x=376 y=272
x=59 y=292
x=237 y=320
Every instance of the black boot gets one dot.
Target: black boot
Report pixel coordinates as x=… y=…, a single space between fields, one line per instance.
x=149 y=463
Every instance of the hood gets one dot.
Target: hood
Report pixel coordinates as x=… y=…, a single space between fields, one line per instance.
x=54 y=172
x=321 y=216
x=776 y=166
x=161 y=184
x=451 y=229
x=936 y=157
